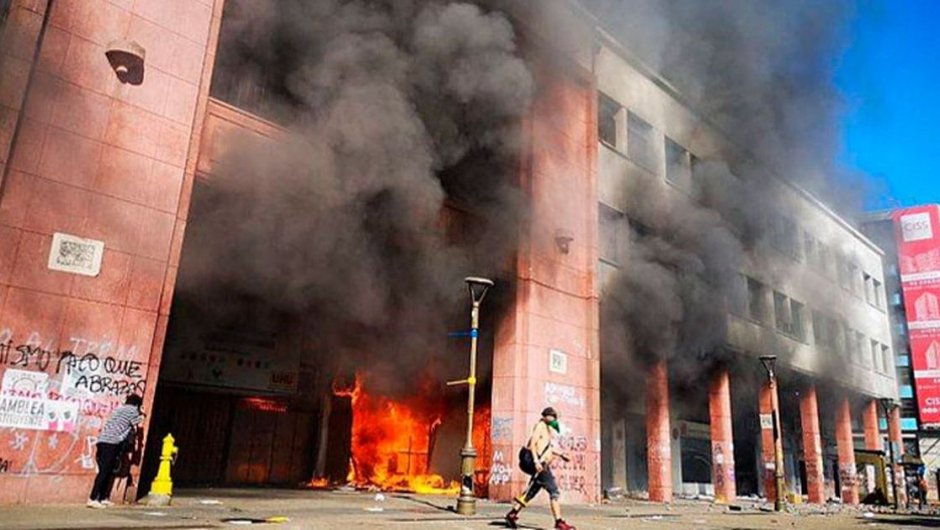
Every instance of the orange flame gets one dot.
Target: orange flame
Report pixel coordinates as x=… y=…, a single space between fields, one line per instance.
x=393 y=441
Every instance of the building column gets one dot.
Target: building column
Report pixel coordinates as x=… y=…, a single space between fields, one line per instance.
x=658 y=442
x=846 y=448
x=812 y=446
x=870 y=425
x=768 y=463
x=719 y=409
x=894 y=437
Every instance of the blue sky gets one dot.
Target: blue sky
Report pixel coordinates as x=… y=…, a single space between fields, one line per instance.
x=890 y=77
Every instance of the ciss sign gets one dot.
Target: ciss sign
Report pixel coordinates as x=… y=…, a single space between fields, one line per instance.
x=916 y=227
x=919 y=261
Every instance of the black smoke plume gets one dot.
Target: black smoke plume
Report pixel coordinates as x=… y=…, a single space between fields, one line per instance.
x=759 y=72
x=393 y=178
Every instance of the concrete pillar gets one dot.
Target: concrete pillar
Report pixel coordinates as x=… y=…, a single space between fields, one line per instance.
x=719 y=409
x=812 y=446
x=546 y=348
x=767 y=440
x=870 y=425
x=894 y=437
x=846 y=449
x=658 y=444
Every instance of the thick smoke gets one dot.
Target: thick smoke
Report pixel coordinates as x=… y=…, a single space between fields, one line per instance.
x=393 y=109
x=761 y=72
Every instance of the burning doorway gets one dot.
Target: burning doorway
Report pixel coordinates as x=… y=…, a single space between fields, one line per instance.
x=288 y=407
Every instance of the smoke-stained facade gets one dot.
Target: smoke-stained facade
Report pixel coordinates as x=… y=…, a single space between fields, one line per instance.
x=289 y=201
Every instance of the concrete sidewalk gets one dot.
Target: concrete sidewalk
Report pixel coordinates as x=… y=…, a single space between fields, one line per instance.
x=343 y=510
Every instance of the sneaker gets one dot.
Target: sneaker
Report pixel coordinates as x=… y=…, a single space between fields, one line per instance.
x=562 y=525
x=512 y=520
x=106 y=502
x=94 y=504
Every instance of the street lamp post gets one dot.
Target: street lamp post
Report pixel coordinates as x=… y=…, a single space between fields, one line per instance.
x=466 y=502
x=889 y=405
x=769 y=361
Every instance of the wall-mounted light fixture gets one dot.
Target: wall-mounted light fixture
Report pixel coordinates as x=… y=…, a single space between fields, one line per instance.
x=563 y=239
x=127 y=60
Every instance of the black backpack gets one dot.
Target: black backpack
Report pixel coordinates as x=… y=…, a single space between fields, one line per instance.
x=527 y=459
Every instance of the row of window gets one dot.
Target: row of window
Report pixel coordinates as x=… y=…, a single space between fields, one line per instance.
x=831 y=333
x=783 y=231
x=640 y=144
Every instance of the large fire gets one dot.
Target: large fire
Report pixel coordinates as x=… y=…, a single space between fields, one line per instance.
x=393 y=441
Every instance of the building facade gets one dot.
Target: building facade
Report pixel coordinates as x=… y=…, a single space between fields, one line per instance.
x=97 y=193
x=907 y=235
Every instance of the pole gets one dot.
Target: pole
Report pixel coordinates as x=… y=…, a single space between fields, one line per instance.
x=891 y=465
x=778 y=446
x=466 y=502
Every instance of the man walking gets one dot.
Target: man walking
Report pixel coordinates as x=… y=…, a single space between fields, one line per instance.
x=112 y=442
x=542 y=454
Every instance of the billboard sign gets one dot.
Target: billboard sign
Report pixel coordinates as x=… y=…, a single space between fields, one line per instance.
x=918 y=237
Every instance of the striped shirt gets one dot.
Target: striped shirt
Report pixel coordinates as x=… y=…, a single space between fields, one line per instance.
x=120 y=424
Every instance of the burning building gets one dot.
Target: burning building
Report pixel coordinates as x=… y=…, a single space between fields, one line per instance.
x=266 y=232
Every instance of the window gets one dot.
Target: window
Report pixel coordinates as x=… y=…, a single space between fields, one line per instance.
x=842 y=271
x=640 y=146
x=737 y=298
x=825 y=258
x=678 y=164
x=607 y=110
x=784 y=236
x=893 y=270
x=788 y=316
x=837 y=341
x=782 y=312
x=755 y=300
x=876 y=358
x=796 y=320
x=879 y=297
x=809 y=250
x=855 y=279
x=250 y=77
x=820 y=334
x=859 y=347
x=904 y=378
x=869 y=292
x=612 y=240
x=886 y=357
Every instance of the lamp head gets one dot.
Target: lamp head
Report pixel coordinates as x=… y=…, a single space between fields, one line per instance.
x=768 y=361
x=478 y=287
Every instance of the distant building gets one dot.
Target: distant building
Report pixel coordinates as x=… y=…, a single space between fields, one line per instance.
x=910 y=238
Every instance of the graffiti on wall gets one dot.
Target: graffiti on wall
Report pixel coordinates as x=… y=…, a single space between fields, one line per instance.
x=501 y=472
x=572 y=475
x=54 y=400
x=559 y=394
x=501 y=429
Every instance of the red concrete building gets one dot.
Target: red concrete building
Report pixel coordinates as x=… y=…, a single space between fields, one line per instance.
x=98 y=187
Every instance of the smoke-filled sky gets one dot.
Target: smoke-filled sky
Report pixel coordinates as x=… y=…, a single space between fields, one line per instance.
x=889 y=76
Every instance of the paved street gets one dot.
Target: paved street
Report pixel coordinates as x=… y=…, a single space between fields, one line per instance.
x=341 y=510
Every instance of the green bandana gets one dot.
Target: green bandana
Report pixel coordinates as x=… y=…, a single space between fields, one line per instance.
x=554 y=425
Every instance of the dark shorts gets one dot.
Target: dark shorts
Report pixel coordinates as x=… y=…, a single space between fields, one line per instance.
x=541 y=481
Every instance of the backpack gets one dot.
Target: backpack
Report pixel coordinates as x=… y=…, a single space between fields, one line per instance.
x=527 y=459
